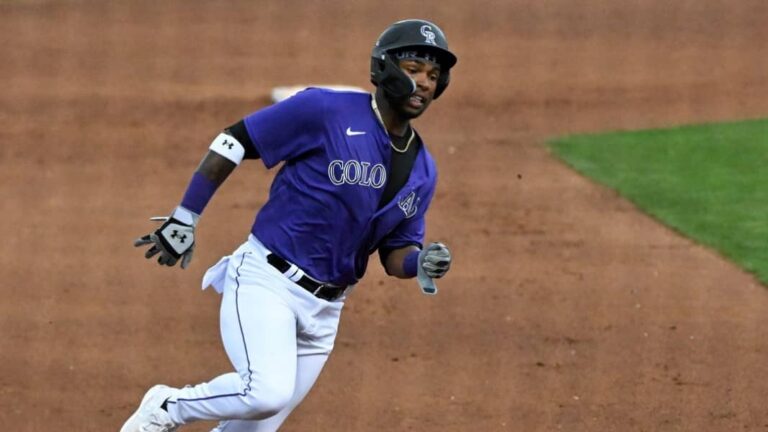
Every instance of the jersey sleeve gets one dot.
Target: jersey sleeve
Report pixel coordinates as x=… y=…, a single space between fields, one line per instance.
x=409 y=232
x=288 y=129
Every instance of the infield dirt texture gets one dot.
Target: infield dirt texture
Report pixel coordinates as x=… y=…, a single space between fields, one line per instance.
x=566 y=308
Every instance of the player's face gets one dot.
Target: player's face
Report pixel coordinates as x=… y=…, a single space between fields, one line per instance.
x=425 y=74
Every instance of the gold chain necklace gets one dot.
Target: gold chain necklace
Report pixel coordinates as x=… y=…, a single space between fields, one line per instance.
x=391 y=144
x=408 y=144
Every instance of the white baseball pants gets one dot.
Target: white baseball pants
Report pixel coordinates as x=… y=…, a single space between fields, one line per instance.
x=277 y=336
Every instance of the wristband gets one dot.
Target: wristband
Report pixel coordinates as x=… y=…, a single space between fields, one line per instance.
x=199 y=192
x=411 y=264
x=186 y=216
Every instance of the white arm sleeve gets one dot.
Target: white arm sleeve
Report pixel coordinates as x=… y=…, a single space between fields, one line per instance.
x=229 y=147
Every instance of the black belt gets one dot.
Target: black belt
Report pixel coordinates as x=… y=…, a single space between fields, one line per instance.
x=318 y=289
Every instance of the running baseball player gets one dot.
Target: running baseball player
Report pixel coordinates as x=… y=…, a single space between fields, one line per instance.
x=357 y=178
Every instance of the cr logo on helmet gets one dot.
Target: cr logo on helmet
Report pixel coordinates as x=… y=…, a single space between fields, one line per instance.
x=427 y=32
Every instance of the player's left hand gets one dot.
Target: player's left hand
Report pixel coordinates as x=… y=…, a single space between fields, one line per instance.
x=435 y=259
x=174 y=240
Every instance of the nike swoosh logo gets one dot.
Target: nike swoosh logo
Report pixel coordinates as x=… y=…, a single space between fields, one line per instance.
x=350 y=132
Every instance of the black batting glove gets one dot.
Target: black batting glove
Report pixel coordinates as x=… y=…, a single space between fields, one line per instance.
x=174 y=240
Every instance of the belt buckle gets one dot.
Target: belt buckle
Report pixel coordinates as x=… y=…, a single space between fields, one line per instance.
x=318 y=289
x=331 y=298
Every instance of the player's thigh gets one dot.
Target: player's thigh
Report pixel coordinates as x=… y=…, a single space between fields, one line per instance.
x=308 y=370
x=258 y=331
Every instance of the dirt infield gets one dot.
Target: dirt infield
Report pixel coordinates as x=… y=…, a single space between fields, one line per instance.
x=566 y=309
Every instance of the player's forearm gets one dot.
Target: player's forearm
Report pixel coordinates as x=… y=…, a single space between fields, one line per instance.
x=397 y=264
x=224 y=155
x=215 y=167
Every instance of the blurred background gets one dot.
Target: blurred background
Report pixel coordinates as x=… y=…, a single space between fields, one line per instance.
x=566 y=309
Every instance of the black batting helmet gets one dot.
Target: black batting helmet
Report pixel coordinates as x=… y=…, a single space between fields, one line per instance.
x=412 y=33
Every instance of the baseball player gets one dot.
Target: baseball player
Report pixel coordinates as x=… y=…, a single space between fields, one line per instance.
x=356 y=178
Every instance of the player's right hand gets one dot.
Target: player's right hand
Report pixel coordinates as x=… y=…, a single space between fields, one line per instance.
x=174 y=240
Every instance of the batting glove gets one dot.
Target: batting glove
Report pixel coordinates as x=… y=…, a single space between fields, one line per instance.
x=174 y=240
x=435 y=259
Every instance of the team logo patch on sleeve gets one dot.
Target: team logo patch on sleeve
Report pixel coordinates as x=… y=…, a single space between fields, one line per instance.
x=409 y=204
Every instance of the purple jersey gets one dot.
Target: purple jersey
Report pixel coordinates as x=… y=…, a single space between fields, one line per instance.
x=323 y=209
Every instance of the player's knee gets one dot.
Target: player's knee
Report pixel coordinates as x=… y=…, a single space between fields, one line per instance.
x=264 y=403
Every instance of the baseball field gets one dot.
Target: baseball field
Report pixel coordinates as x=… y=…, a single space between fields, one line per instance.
x=600 y=187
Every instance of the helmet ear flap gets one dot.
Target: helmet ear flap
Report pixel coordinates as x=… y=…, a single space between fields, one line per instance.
x=385 y=73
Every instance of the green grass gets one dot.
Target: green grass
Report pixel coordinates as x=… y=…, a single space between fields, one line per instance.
x=709 y=182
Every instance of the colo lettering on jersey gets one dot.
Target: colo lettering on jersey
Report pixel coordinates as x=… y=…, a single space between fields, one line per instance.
x=355 y=172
